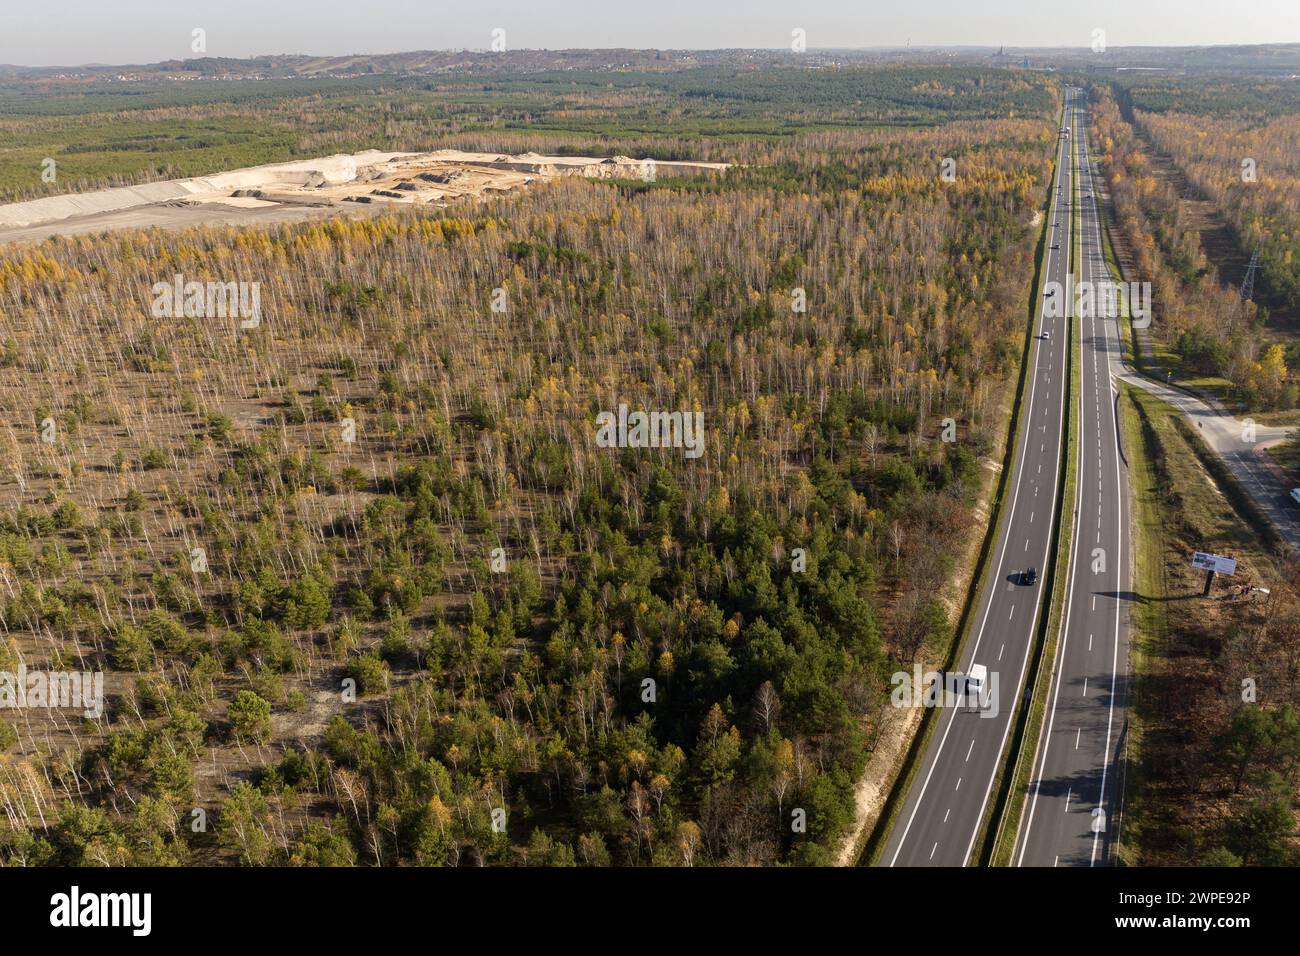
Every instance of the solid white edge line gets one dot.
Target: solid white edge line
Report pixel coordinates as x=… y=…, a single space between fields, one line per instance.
x=1119 y=565
x=1045 y=738
x=1024 y=452
x=1047 y=547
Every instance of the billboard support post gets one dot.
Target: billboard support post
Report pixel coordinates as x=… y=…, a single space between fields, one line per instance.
x=1213 y=564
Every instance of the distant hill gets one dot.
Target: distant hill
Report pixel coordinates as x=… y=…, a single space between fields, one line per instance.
x=1269 y=59
x=421 y=62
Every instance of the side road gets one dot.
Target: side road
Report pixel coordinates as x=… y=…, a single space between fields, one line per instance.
x=1242 y=446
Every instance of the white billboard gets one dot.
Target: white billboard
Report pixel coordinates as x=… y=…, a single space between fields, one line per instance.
x=1214 y=562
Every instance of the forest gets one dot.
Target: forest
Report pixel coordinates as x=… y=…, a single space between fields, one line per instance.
x=115 y=134
x=365 y=587
x=1170 y=146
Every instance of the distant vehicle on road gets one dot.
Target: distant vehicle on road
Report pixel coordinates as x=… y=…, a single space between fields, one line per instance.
x=976 y=679
x=1295 y=495
x=1030 y=576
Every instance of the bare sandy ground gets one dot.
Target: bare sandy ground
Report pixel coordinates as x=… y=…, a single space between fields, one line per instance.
x=330 y=185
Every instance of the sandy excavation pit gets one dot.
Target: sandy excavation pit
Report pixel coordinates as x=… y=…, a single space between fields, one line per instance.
x=285 y=192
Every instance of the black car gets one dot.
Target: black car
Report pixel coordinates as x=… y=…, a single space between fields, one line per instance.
x=1030 y=576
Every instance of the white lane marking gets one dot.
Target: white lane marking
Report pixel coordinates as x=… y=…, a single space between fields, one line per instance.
x=1069 y=606
x=970 y=748
x=1019 y=679
x=1119 y=568
x=945 y=818
x=958 y=787
x=1077 y=734
x=1085 y=687
x=933 y=848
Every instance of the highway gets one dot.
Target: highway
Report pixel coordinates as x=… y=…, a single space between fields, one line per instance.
x=1070 y=817
x=940 y=817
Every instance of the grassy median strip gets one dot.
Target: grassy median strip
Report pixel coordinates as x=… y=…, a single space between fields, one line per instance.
x=876 y=841
x=1128 y=335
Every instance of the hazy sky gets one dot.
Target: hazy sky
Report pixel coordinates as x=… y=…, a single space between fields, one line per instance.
x=72 y=32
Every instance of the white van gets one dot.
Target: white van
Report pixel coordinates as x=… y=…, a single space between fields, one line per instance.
x=978 y=677
x=1295 y=495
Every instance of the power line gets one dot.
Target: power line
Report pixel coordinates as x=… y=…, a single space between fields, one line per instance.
x=1248 y=283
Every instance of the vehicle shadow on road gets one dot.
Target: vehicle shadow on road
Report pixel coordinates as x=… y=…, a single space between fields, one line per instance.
x=1135 y=598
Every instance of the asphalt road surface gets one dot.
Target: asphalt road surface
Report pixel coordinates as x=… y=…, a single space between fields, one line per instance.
x=1070 y=817
x=940 y=818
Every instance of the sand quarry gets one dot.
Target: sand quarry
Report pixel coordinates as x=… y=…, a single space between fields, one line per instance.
x=285 y=192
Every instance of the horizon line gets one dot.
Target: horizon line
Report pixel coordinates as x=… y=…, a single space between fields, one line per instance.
x=632 y=49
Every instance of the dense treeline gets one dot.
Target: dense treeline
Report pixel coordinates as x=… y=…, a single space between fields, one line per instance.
x=562 y=653
x=1203 y=320
x=1261 y=200
x=1256 y=99
x=120 y=133
x=1234 y=143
